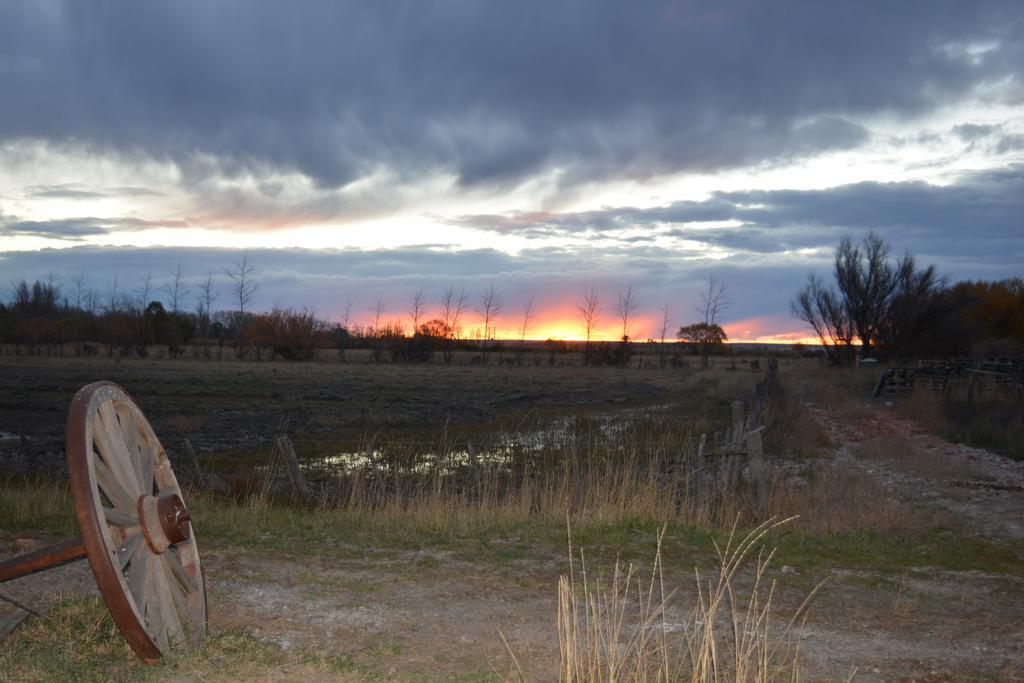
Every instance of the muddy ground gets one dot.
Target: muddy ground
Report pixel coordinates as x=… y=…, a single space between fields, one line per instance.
x=232 y=410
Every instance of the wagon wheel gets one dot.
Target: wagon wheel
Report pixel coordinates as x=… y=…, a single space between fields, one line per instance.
x=134 y=523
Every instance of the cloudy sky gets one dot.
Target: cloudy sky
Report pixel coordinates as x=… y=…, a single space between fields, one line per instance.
x=365 y=151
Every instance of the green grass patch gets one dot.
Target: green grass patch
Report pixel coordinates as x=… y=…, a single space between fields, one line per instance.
x=325 y=534
x=78 y=641
x=893 y=554
x=41 y=508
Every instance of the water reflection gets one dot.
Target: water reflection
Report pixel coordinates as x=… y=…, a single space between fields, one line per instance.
x=496 y=450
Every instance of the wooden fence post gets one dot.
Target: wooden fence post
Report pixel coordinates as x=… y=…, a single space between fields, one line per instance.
x=284 y=446
x=755 y=462
x=736 y=434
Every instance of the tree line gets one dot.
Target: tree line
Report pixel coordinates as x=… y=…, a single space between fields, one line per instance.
x=878 y=306
x=889 y=308
x=180 y=316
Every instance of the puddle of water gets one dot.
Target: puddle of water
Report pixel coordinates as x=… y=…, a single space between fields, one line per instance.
x=495 y=450
x=8 y=436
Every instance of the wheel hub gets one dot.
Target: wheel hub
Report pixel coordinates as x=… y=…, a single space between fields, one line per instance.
x=164 y=520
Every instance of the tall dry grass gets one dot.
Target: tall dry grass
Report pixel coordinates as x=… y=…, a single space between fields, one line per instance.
x=646 y=469
x=621 y=628
x=988 y=418
x=832 y=498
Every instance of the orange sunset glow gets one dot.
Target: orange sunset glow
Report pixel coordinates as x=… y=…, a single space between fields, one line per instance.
x=563 y=322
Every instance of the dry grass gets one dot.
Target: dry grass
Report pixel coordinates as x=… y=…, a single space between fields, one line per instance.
x=645 y=468
x=926 y=409
x=619 y=629
x=827 y=385
x=903 y=454
x=991 y=419
x=789 y=430
x=837 y=499
x=647 y=473
x=40 y=506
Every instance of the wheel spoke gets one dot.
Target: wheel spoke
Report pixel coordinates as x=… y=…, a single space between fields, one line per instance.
x=181 y=586
x=130 y=432
x=186 y=581
x=117 y=495
x=156 y=617
x=138 y=579
x=128 y=549
x=153 y=614
x=161 y=637
x=147 y=462
x=107 y=436
x=165 y=590
x=180 y=598
x=147 y=458
x=120 y=519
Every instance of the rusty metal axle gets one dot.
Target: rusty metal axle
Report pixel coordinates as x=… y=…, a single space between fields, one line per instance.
x=44 y=558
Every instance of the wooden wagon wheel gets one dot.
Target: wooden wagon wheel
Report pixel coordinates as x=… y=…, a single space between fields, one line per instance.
x=135 y=527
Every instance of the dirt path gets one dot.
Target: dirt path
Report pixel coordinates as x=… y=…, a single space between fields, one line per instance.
x=976 y=485
x=946 y=625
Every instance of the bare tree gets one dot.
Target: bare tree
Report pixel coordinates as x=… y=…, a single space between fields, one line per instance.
x=590 y=311
x=490 y=309
x=888 y=305
x=417 y=307
x=143 y=294
x=527 y=321
x=454 y=303
x=378 y=333
x=625 y=306
x=91 y=301
x=344 y=331
x=208 y=294
x=79 y=290
x=79 y=295
x=714 y=300
x=243 y=287
x=175 y=290
x=378 y=313
x=113 y=295
x=666 y=323
x=822 y=308
x=243 y=279
x=145 y=290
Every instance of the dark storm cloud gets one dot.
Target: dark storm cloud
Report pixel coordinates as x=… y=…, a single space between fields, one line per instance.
x=491 y=92
x=981 y=217
x=1009 y=143
x=73 y=229
x=63 y=192
x=992 y=136
x=79 y=191
x=77 y=229
x=970 y=132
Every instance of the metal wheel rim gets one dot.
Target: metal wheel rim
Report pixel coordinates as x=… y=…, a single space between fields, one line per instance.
x=157 y=599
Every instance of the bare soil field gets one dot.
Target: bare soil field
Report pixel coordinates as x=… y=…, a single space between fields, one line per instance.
x=935 y=596
x=233 y=409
